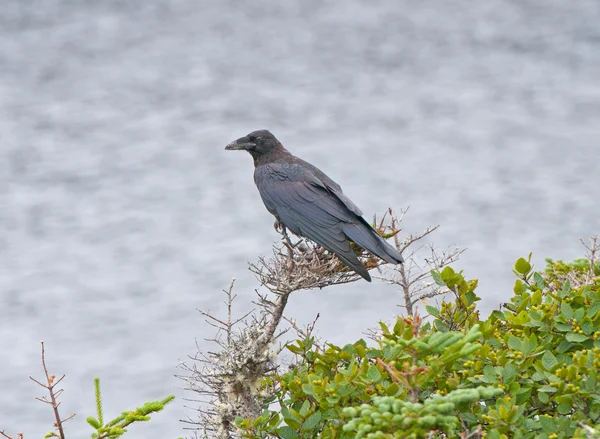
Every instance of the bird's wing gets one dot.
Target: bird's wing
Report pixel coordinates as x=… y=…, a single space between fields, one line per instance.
x=306 y=206
x=335 y=188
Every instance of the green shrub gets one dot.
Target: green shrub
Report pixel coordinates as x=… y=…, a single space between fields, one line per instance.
x=529 y=370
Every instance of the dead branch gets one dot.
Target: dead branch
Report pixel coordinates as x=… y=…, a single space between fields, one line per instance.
x=573 y=276
x=592 y=253
x=414 y=278
x=18 y=436
x=302 y=332
x=51 y=383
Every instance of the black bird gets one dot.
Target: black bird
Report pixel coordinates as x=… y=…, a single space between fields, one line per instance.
x=311 y=204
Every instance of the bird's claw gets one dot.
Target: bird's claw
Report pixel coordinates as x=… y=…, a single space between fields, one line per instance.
x=279 y=227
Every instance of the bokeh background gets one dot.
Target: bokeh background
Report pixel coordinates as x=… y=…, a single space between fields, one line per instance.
x=121 y=214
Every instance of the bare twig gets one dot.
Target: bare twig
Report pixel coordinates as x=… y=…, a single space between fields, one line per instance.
x=51 y=383
x=304 y=333
x=230 y=300
x=573 y=275
x=592 y=252
x=475 y=434
x=413 y=278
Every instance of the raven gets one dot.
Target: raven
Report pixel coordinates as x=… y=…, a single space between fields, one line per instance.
x=309 y=203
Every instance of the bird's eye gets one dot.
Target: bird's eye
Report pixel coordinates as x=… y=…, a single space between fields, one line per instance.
x=252 y=138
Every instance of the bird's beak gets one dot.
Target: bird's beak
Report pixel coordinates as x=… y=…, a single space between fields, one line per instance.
x=239 y=144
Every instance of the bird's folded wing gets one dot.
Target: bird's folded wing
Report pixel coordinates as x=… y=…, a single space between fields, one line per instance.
x=334 y=188
x=306 y=207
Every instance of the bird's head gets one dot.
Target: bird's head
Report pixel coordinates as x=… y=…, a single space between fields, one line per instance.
x=258 y=143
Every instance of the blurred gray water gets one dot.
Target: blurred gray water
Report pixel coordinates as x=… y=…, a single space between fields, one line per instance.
x=120 y=213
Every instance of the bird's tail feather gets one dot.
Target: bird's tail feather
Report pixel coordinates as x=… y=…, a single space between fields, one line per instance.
x=352 y=261
x=349 y=258
x=335 y=242
x=366 y=237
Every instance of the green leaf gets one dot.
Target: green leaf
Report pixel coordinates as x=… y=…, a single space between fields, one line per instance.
x=536 y=298
x=274 y=422
x=349 y=349
x=548 y=424
x=576 y=338
x=360 y=351
x=538 y=376
x=566 y=311
x=508 y=374
x=437 y=278
x=514 y=343
x=522 y=266
x=593 y=310
x=565 y=289
x=312 y=421
x=286 y=432
x=294 y=349
x=527 y=346
x=374 y=353
x=448 y=275
x=392 y=389
x=563 y=327
x=468 y=417
x=373 y=374
x=563 y=346
x=519 y=287
x=543 y=397
x=384 y=328
x=536 y=316
x=432 y=310
x=290 y=415
x=345 y=389
x=471 y=297
x=549 y=361
x=564 y=409
x=565 y=399
x=308 y=389
x=333 y=399
x=441 y=326
x=497 y=315
x=304 y=409
x=490 y=373
x=399 y=326
x=587 y=326
x=539 y=280
x=360 y=342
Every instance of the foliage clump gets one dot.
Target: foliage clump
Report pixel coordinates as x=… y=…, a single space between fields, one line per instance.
x=110 y=430
x=528 y=370
x=117 y=427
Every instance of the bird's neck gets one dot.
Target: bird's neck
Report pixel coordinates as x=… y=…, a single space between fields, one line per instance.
x=272 y=156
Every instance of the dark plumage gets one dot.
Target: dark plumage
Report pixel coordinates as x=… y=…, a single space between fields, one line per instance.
x=311 y=204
